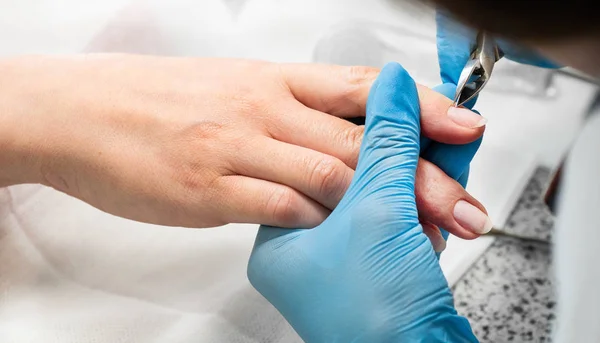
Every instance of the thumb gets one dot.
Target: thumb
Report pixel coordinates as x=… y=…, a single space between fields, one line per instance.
x=390 y=149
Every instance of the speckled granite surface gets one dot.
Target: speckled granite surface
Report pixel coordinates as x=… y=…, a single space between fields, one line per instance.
x=531 y=218
x=508 y=294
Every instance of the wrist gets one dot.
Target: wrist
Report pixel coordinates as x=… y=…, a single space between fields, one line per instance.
x=20 y=143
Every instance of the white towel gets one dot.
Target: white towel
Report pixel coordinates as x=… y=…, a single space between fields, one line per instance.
x=70 y=273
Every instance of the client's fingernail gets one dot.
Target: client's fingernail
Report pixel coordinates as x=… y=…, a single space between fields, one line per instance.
x=472 y=218
x=465 y=117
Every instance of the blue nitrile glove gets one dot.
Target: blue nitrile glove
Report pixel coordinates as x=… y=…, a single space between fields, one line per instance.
x=368 y=273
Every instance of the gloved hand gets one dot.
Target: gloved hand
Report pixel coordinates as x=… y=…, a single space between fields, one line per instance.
x=368 y=273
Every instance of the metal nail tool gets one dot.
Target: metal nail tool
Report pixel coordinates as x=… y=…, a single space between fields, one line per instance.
x=476 y=73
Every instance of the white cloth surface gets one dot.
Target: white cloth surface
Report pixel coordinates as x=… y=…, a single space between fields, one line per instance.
x=70 y=273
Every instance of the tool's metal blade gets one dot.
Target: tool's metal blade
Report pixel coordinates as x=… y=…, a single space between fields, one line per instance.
x=478 y=69
x=468 y=83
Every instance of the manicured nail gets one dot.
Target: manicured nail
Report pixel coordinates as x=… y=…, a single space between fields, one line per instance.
x=465 y=117
x=437 y=240
x=472 y=218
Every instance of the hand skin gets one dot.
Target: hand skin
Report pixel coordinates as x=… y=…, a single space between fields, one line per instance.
x=203 y=142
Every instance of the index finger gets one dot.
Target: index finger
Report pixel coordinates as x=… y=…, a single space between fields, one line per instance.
x=343 y=91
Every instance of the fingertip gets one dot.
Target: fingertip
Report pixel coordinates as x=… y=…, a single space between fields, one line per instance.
x=437 y=204
x=465 y=118
x=444 y=123
x=394 y=72
x=465 y=234
x=446 y=131
x=394 y=98
x=389 y=73
x=393 y=76
x=299 y=213
x=472 y=216
x=394 y=86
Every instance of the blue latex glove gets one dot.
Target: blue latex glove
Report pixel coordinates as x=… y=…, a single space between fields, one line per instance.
x=368 y=273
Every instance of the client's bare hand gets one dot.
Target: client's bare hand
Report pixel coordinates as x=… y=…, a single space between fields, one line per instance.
x=203 y=142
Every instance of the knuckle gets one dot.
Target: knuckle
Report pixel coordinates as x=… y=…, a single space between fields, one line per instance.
x=191 y=178
x=359 y=75
x=352 y=139
x=433 y=192
x=328 y=176
x=357 y=82
x=238 y=142
x=195 y=178
x=244 y=99
x=181 y=153
x=203 y=130
x=282 y=206
x=426 y=185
